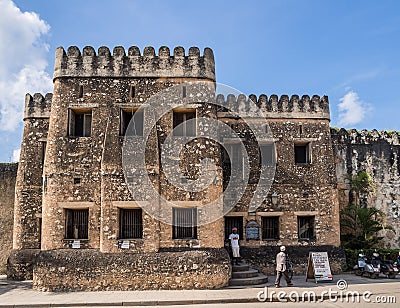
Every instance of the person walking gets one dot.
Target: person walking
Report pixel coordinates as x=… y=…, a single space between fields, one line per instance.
x=281 y=269
x=234 y=238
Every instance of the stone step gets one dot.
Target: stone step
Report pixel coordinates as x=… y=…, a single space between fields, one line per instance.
x=245 y=274
x=260 y=279
x=240 y=268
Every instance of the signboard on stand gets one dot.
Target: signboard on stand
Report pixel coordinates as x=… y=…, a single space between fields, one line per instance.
x=318 y=267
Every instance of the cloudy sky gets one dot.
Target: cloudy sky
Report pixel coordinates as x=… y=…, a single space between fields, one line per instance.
x=348 y=50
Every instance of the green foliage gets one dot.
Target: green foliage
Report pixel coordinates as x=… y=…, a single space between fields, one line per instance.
x=359 y=225
x=361 y=184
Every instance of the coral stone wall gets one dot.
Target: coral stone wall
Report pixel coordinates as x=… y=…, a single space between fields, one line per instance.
x=76 y=270
x=8 y=174
x=377 y=153
x=303 y=189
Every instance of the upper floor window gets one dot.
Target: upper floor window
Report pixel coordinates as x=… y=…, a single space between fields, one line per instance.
x=130 y=223
x=267 y=154
x=76 y=224
x=234 y=158
x=135 y=118
x=181 y=124
x=302 y=153
x=306 y=227
x=79 y=122
x=184 y=221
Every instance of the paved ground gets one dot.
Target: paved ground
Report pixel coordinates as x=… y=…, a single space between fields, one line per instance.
x=20 y=294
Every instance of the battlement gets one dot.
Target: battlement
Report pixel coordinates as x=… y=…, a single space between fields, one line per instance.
x=353 y=136
x=87 y=63
x=37 y=106
x=280 y=107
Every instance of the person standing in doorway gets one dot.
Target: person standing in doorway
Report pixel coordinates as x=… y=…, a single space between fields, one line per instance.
x=281 y=269
x=234 y=238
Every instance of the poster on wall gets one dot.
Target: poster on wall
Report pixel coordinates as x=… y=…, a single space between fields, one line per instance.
x=318 y=267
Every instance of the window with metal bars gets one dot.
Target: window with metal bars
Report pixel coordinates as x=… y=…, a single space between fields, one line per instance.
x=130 y=223
x=79 y=122
x=76 y=224
x=306 y=227
x=270 y=228
x=182 y=125
x=134 y=116
x=184 y=221
x=231 y=222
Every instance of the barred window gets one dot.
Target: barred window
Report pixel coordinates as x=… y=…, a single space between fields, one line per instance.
x=270 y=228
x=79 y=122
x=231 y=222
x=76 y=224
x=181 y=124
x=130 y=223
x=136 y=128
x=184 y=221
x=306 y=227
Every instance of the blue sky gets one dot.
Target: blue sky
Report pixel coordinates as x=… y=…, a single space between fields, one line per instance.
x=348 y=50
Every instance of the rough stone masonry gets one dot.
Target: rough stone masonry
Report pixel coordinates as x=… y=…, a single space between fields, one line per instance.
x=83 y=222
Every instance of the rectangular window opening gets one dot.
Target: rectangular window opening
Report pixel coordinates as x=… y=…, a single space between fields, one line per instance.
x=132 y=92
x=184 y=91
x=270 y=228
x=306 y=227
x=235 y=159
x=79 y=122
x=181 y=124
x=267 y=154
x=134 y=116
x=77 y=181
x=231 y=222
x=80 y=93
x=76 y=224
x=130 y=223
x=302 y=153
x=184 y=221
x=43 y=151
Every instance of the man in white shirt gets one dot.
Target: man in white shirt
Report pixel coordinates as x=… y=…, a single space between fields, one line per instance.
x=234 y=238
x=281 y=269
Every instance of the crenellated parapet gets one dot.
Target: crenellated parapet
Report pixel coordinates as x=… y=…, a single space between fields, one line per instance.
x=37 y=106
x=353 y=136
x=88 y=63
x=280 y=107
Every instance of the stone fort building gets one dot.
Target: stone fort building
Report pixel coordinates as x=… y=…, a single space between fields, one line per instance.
x=81 y=222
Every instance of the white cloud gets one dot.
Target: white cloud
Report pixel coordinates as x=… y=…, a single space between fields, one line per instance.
x=15 y=155
x=351 y=109
x=22 y=61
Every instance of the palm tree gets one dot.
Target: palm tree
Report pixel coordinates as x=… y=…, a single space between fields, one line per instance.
x=361 y=184
x=359 y=224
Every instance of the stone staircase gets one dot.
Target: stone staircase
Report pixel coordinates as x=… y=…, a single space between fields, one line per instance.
x=244 y=277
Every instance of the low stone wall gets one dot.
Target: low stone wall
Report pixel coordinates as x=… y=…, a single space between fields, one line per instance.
x=263 y=258
x=8 y=174
x=20 y=264
x=91 y=270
